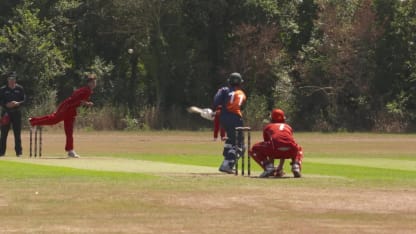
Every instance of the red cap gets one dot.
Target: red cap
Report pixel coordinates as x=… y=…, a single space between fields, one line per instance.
x=278 y=116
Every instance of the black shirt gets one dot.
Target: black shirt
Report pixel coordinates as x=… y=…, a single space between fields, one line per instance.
x=7 y=95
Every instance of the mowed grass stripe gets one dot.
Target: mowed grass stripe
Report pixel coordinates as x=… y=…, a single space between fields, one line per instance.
x=11 y=170
x=119 y=165
x=407 y=165
x=196 y=160
x=98 y=167
x=360 y=172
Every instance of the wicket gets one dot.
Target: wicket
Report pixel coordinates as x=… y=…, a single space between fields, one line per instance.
x=239 y=142
x=37 y=150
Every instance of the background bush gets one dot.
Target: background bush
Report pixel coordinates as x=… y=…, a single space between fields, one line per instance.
x=332 y=65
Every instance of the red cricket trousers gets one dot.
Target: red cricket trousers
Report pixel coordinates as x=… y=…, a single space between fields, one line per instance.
x=62 y=114
x=265 y=152
x=218 y=128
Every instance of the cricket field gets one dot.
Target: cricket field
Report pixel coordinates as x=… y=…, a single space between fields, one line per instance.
x=168 y=182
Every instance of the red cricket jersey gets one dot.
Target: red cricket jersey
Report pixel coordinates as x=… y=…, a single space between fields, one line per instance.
x=74 y=101
x=279 y=133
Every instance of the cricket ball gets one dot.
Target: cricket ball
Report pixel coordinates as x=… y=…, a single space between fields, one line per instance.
x=130 y=51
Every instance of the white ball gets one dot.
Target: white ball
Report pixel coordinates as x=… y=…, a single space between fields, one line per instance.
x=130 y=51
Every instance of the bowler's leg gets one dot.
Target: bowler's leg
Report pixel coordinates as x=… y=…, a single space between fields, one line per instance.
x=69 y=131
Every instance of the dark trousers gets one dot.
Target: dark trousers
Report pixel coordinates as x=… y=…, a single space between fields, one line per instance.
x=16 y=122
x=230 y=122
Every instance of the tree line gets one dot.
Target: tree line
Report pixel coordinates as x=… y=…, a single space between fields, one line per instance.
x=332 y=65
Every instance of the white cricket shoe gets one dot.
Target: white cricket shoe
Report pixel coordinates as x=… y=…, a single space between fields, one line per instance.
x=296 y=170
x=266 y=173
x=73 y=154
x=269 y=171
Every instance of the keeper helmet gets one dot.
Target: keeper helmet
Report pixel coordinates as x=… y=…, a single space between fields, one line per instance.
x=235 y=79
x=278 y=116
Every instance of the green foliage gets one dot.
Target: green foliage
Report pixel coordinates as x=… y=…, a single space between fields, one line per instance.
x=105 y=85
x=44 y=105
x=104 y=118
x=396 y=59
x=100 y=68
x=330 y=64
x=268 y=6
x=131 y=123
x=256 y=112
x=284 y=93
x=27 y=45
x=398 y=106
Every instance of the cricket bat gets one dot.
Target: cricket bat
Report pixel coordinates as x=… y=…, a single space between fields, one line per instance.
x=205 y=113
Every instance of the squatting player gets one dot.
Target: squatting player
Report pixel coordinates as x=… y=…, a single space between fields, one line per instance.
x=231 y=98
x=67 y=111
x=278 y=144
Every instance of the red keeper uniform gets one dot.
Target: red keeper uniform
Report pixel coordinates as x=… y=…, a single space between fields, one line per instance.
x=67 y=111
x=217 y=125
x=278 y=144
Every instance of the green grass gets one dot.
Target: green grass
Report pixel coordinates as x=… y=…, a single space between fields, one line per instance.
x=22 y=171
x=361 y=174
x=394 y=170
x=362 y=171
x=197 y=160
x=353 y=183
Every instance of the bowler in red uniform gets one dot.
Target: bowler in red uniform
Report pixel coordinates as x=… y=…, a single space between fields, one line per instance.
x=278 y=144
x=67 y=111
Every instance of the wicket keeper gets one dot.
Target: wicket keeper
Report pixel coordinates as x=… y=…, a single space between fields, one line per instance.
x=67 y=111
x=278 y=144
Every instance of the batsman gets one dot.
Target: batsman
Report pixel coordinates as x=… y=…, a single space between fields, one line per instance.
x=231 y=98
x=67 y=111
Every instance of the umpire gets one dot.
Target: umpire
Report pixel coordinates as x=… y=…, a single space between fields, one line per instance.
x=12 y=96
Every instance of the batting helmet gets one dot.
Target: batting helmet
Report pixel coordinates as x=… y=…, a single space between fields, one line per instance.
x=235 y=79
x=278 y=116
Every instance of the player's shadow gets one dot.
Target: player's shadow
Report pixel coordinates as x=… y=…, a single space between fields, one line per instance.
x=240 y=176
x=209 y=174
x=51 y=158
x=272 y=177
